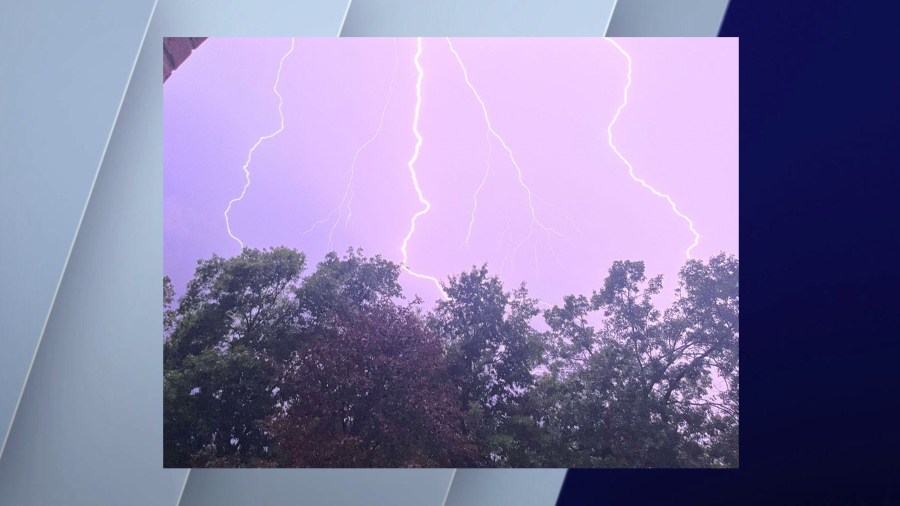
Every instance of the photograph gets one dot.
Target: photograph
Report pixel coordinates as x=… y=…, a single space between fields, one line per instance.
x=463 y=252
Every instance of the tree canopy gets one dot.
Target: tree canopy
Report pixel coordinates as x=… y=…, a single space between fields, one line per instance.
x=267 y=366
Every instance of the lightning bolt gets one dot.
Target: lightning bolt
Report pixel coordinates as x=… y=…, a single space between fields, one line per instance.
x=568 y=216
x=415 y=179
x=487 y=173
x=246 y=167
x=643 y=183
x=534 y=219
x=315 y=225
x=503 y=234
x=348 y=190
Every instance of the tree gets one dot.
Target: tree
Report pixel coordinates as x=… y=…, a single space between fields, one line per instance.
x=264 y=367
x=346 y=288
x=491 y=351
x=369 y=388
x=223 y=402
x=169 y=316
x=219 y=375
x=373 y=394
x=639 y=390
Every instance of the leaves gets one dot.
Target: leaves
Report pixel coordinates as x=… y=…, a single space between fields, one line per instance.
x=264 y=367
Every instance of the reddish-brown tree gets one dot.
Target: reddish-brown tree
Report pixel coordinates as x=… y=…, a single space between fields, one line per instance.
x=372 y=393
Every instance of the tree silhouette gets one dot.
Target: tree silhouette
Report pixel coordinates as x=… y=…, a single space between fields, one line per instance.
x=266 y=367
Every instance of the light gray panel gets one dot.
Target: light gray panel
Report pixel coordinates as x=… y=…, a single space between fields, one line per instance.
x=88 y=430
x=669 y=18
x=502 y=487
x=477 y=18
x=250 y=18
x=65 y=68
x=316 y=487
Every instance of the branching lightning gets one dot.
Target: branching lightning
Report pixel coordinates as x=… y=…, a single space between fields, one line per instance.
x=348 y=191
x=510 y=241
x=628 y=164
x=531 y=197
x=415 y=179
x=246 y=167
x=569 y=217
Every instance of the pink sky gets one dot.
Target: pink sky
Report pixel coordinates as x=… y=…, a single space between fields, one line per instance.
x=551 y=100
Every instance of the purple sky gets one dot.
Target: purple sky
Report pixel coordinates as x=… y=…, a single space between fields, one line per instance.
x=551 y=100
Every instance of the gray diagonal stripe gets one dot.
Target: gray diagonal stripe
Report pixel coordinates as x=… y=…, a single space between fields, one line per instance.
x=477 y=18
x=502 y=487
x=59 y=102
x=671 y=18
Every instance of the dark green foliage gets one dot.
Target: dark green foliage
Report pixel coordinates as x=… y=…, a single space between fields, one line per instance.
x=638 y=390
x=168 y=313
x=491 y=352
x=267 y=368
x=219 y=373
